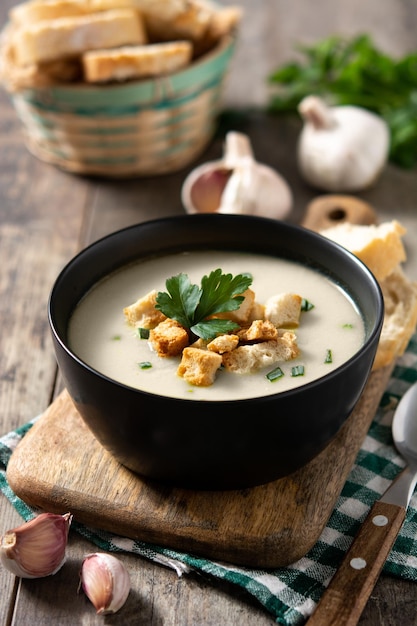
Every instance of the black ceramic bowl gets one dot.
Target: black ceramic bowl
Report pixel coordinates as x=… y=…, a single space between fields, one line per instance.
x=214 y=444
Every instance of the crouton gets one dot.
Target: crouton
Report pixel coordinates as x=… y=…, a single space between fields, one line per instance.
x=200 y=343
x=142 y=313
x=284 y=310
x=257 y=312
x=199 y=367
x=259 y=330
x=169 y=338
x=223 y=343
x=240 y=315
x=250 y=358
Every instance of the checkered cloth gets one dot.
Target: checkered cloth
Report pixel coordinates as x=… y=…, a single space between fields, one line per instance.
x=290 y=593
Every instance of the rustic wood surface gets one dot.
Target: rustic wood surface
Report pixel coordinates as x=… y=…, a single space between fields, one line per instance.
x=47 y=215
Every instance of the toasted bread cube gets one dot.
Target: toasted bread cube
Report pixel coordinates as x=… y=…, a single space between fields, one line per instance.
x=259 y=330
x=169 y=338
x=257 y=312
x=284 y=310
x=199 y=367
x=142 y=313
x=200 y=343
x=223 y=343
x=250 y=358
x=241 y=315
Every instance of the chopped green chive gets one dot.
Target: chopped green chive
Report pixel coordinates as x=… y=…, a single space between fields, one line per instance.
x=306 y=305
x=145 y=365
x=348 y=325
x=297 y=370
x=116 y=338
x=143 y=333
x=329 y=357
x=275 y=374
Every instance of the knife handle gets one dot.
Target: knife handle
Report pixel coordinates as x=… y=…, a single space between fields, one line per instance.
x=344 y=599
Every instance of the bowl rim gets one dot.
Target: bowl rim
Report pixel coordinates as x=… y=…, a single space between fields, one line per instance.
x=295 y=228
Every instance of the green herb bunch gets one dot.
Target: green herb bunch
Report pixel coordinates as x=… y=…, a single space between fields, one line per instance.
x=192 y=306
x=355 y=72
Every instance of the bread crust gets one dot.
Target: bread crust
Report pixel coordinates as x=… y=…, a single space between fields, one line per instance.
x=49 y=40
x=169 y=338
x=142 y=313
x=38 y=10
x=136 y=61
x=400 y=320
x=199 y=367
x=381 y=248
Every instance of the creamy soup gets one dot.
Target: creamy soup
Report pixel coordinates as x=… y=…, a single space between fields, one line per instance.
x=100 y=336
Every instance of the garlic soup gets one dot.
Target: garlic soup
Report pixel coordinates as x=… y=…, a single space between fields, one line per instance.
x=328 y=334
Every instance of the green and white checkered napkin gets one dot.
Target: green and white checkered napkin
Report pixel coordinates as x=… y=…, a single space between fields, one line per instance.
x=291 y=593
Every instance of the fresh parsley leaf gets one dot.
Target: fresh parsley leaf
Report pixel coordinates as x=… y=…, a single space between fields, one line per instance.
x=353 y=71
x=181 y=300
x=211 y=328
x=220 y=293
x=192 y=305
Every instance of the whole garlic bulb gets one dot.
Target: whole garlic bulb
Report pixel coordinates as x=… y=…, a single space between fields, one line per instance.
x=341 y=148
x=237 y=184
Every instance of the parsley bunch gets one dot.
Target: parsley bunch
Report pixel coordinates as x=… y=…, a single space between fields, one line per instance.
x=191 y=305
x=355 y=72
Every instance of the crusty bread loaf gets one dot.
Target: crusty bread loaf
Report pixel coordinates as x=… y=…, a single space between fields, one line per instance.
x=400 y=298
x=136 y=61
x=50 y=40
x=379 y=246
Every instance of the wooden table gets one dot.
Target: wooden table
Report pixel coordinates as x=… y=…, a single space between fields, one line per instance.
x=47 y=215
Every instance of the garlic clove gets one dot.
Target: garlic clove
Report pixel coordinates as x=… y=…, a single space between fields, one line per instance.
x=202 y=189
x=255 y=189
x=341 y=148
x=238 y=193
x=208 y=189
x=37 y=548
x=237 y=184
x=105 y=581
x=237 y=148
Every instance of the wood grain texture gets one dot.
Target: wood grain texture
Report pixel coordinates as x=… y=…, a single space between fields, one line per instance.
x=347 y=594
x=46 y=215
x=60 y=466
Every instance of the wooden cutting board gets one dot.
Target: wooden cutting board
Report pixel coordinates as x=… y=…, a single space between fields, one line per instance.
x=59 y=466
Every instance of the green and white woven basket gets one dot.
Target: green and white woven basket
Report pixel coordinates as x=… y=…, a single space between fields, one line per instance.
x=139 y=128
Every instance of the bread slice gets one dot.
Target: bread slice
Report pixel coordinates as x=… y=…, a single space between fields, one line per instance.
x=136 y=61
x=400 y=298
x=50 y=40
x=202 y=22
x=379 y=246
x=37 y=10
x=191 y=24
